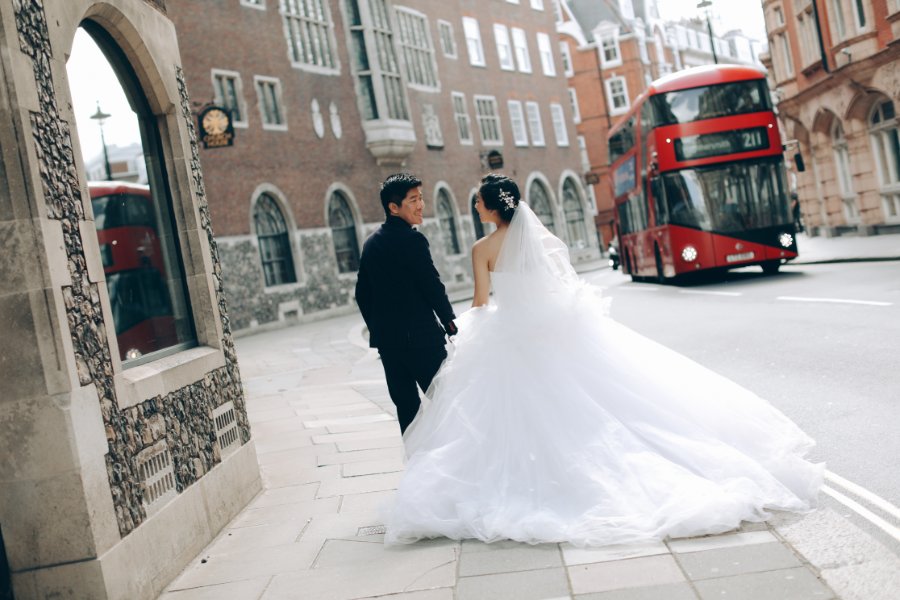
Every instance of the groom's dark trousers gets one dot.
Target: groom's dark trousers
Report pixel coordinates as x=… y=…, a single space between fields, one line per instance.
x=404 y=305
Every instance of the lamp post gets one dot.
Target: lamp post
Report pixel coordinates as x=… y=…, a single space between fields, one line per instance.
x=101 y=117
x=712 y=42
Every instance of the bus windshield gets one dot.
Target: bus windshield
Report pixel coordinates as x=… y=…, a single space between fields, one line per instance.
x=726 y=198
x=710 y=102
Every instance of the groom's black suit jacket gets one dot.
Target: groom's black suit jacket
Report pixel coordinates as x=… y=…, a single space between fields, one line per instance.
x=399 y=291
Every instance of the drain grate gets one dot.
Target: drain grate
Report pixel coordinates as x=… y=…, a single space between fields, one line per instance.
x=370 y=530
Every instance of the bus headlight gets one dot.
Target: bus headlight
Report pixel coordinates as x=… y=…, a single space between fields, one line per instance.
x=689 y=253
x=786 y=240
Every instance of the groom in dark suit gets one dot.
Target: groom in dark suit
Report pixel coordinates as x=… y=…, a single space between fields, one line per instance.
x=399 y=292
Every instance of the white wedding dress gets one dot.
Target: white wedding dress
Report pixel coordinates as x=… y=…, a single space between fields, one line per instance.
x=551 y=422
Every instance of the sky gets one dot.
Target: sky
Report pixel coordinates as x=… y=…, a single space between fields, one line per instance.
x=746 y=15
x=91 y=79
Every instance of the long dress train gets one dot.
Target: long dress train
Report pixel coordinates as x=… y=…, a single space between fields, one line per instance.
x=551 y=422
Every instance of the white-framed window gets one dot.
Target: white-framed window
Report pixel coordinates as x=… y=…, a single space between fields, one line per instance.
x=842 y=169
x=504 y=49
x=883 y=130
x=520 y=45
x=310 y=35
x=473 y=42
x=271 y=107
x=537 y=4
x=896 y=6
x=535 y=126
x=785 y=48
x=559 y=124
x=513 y=1
x=380 y=91
x=565 y=54
x=573 y=100
x=418 y=50
x=617 y=95
x=837 y=16
x=557 y=10
x=258 y=4
x=583 y=153
x=627 y=8
x=488 y=120
x=448 y=39
x=808 y=41
x=779 y=16
x=610 y=53
x=546 y=53
x=229 y=94
x=517 y=120
x=461 y=116
x=447 y=219
x=859 y=13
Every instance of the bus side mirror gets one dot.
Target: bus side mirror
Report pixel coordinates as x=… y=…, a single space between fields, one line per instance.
x=798 y=162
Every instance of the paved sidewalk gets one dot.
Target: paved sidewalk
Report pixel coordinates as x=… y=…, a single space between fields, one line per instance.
x=847 y=248
x=331 y=454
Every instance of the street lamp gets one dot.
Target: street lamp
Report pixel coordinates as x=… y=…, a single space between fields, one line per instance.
x=101 y=117
x=712 y=42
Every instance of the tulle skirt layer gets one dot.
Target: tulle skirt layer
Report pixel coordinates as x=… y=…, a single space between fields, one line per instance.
x=554 y=423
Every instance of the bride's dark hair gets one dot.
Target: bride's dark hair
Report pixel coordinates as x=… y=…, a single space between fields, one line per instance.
x=500 y=193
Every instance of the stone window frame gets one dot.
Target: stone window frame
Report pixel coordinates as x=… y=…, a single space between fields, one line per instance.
x=292 y=230
x=549 y=219
x=565 y=54
x=216 y=75
x=608 y=46
x=843 y=172
x=535 y=123
x=263 y=83
x=577 y=224
x=353 y=205
x=448 y=39
x=558 y=117
x=488 y=120
x=447 y=223
x=517 y=122
x=887 y=159
x=520 y=50
x=417 y=48
x=611 y=95
x=298 y=24
x=288 y=235
x=474 y=45
x=462 y=118
x=839 y=21
x=545 y=51
x=504 y=47
x=859 y=16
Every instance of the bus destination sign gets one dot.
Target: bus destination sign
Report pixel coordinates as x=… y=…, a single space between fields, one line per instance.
x=722 y=142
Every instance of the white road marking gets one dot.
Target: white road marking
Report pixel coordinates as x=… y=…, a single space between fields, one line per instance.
x=834 y=300
x=864 y=512
x=864 y=494
x=710 y=293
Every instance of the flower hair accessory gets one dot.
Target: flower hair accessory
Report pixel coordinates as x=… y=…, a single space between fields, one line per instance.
x=507 y=199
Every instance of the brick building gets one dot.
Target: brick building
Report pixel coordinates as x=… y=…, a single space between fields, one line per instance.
x=329 y=98
x=613 y=50
x=836 y=67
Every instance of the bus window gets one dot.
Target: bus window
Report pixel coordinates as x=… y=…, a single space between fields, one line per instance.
x=660 y=214
x=622 y=141
x=709 y=102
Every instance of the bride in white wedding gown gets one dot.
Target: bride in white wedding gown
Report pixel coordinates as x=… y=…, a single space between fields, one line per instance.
x=551 y=422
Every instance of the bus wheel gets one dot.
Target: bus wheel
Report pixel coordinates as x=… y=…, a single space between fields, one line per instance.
x=770 y=267
x=660 y=273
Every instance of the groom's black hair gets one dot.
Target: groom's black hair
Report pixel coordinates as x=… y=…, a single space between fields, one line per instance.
x=395 y=188
x=492 y=185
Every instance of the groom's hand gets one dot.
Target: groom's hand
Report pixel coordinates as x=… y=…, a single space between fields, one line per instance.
x=450 y=328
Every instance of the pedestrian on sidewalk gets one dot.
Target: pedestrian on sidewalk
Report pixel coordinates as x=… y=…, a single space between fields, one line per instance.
x=399 y=292
x=795 y=212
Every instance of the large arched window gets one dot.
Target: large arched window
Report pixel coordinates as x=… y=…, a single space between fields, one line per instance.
x=476 y=220
x=133 y=212
x=343 y=233
x=842 y=168
x=539 y=201
x=274 y=242
x=448 y=222
x=574 y=216
x=886 y=147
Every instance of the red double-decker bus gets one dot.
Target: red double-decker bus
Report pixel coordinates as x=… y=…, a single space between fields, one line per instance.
x=698 y=176
x=132 y=256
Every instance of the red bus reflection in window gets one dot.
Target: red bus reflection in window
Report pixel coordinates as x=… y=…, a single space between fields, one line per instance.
x=698 y=176
x=130 y=249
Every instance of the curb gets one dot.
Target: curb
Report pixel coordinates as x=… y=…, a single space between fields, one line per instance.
x=828 y=261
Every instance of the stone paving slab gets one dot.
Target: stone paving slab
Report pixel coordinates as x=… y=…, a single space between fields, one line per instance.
x=331 y=457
